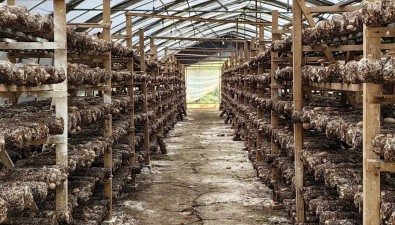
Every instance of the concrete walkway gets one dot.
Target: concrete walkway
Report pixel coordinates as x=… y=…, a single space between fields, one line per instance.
x=204 y=179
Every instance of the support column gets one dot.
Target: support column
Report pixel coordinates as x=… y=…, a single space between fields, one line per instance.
x=371 y=127
x=298 y=104
x=274 y=97
x=60 y=61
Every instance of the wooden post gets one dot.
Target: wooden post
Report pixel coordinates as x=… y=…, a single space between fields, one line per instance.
x=274 y=97
x=60 y=61
x=371 y=127
x=232 y=58
x=259 y=140
x=132 y=131
x=297 y=101
x=241 y=54
x=246 y=55
x=145 y=104
x=106 y=35
x=261 y=36
x=184 y=80
x=13 y=99
x=253 y=47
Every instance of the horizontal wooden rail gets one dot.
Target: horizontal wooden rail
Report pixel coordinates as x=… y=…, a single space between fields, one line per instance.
x=198 y=19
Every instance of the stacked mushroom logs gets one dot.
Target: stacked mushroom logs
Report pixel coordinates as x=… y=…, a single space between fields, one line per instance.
x=83 y=152
x=328 y=31
x=329 y=193
x=165 y=101
x=333 y=183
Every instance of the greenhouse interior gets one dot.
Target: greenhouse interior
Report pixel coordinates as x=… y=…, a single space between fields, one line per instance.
x=193 y=112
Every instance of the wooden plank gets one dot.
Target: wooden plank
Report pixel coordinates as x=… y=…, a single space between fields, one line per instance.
x=346 y=47
x=378 y=32
x=307 y=59
x=298 y=102
x=337 y=86
x=89 y=25
x=119 y=36
x=383 y=99
x=334 y=48
x=32 y=45
x=198 y=19
x=199 y=55
x=200 y=50
x=5 y=158
x=15 y=88
x=333 y=9
x=200 y=39
x=379 y=165
x=277 y=31
x=30 y=55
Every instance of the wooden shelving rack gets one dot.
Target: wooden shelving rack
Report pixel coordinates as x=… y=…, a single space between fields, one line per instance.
x=58 y=93
x=304 y=93
x=373 y=98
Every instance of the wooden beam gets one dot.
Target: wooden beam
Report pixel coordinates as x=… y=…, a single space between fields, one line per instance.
x=32 y=45
x=89 y=25
x=200 y=39
x=337 y=86
x=119 y=36
x=6 y=160
x=308 y=59
x=201 y=50
x=196 y=60
x=198 y=55
x=298 y=104
x=379 y=165
x=198 y=19
x=333 y=9
x=346 y=48
x=277 y=31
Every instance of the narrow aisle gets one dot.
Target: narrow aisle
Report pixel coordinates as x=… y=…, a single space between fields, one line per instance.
x=204 y=179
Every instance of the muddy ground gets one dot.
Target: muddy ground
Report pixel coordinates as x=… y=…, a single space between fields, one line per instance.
x=205 y=178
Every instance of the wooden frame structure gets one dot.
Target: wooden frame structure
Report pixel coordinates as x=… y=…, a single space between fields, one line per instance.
x=373 y=97
x=58 y=92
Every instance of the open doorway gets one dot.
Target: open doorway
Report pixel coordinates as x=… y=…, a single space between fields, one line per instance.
x=203 y=86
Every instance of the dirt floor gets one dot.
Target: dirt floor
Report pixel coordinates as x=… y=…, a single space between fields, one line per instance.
x=205 y=178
